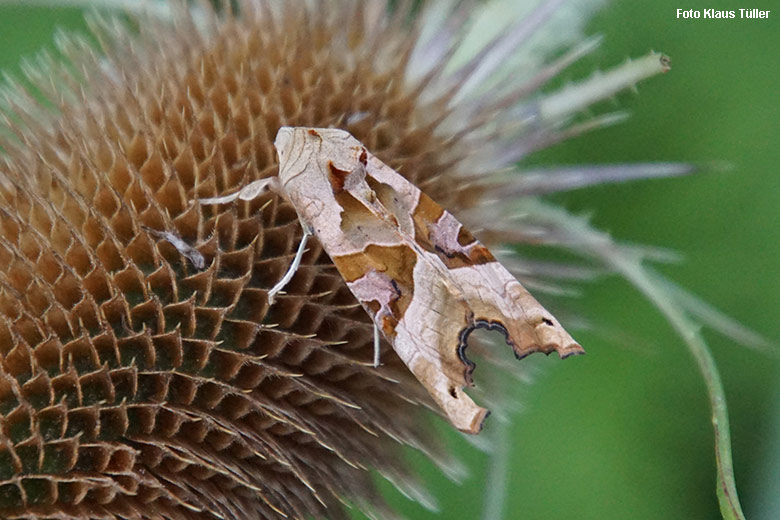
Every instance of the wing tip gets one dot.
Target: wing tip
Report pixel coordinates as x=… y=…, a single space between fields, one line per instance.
x=461 y=411
x=573 y=349
x=477 y=422
x=570 y=349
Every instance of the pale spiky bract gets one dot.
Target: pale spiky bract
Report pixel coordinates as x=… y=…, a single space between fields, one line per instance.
x=135 y=381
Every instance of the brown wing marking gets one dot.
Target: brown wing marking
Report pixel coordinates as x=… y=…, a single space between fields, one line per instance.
x=438 y=231
x=381 y=277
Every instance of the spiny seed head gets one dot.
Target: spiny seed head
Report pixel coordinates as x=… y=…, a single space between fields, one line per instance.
x=144 y=373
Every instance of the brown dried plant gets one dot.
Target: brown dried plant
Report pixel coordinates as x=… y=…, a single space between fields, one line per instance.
x=143 y=373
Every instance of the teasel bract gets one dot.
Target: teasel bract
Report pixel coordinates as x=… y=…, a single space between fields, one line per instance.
x=143 y=372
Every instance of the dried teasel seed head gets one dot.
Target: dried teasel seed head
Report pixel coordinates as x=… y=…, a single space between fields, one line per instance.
x=144 y=373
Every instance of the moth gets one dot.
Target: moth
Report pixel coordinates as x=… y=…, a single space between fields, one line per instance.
x=423 y=278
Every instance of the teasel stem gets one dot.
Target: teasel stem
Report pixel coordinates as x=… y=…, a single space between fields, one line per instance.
x=594 y=244
x=689 y=331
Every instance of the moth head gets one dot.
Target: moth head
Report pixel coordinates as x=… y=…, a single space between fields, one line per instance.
x=327 y=148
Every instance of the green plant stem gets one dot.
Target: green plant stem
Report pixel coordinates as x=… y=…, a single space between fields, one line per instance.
x=581 y=239
x=726 y=488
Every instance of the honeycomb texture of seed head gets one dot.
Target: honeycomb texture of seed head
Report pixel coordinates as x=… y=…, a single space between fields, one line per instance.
x=135 y=383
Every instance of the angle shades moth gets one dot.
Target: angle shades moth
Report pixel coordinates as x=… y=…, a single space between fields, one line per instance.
x=423 y=278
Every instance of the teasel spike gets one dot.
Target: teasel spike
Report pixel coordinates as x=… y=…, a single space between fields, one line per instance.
x=478 y=72
x=541 y=181
x=516 y=93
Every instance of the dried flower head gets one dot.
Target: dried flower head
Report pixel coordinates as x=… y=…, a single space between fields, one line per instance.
x=144 y=373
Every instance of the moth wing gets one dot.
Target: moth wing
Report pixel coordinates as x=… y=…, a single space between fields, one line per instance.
x=421 y=276
x=414 y=301
x=495 y=297
x=422 y=318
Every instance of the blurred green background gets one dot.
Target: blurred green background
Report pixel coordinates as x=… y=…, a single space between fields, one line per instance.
x=624 y=432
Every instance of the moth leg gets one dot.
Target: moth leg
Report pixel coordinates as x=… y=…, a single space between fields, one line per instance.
x=307 y=232
x=249 y=192
x=376 y=346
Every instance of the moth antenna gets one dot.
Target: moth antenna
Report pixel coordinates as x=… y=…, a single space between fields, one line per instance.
x=307 y=232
